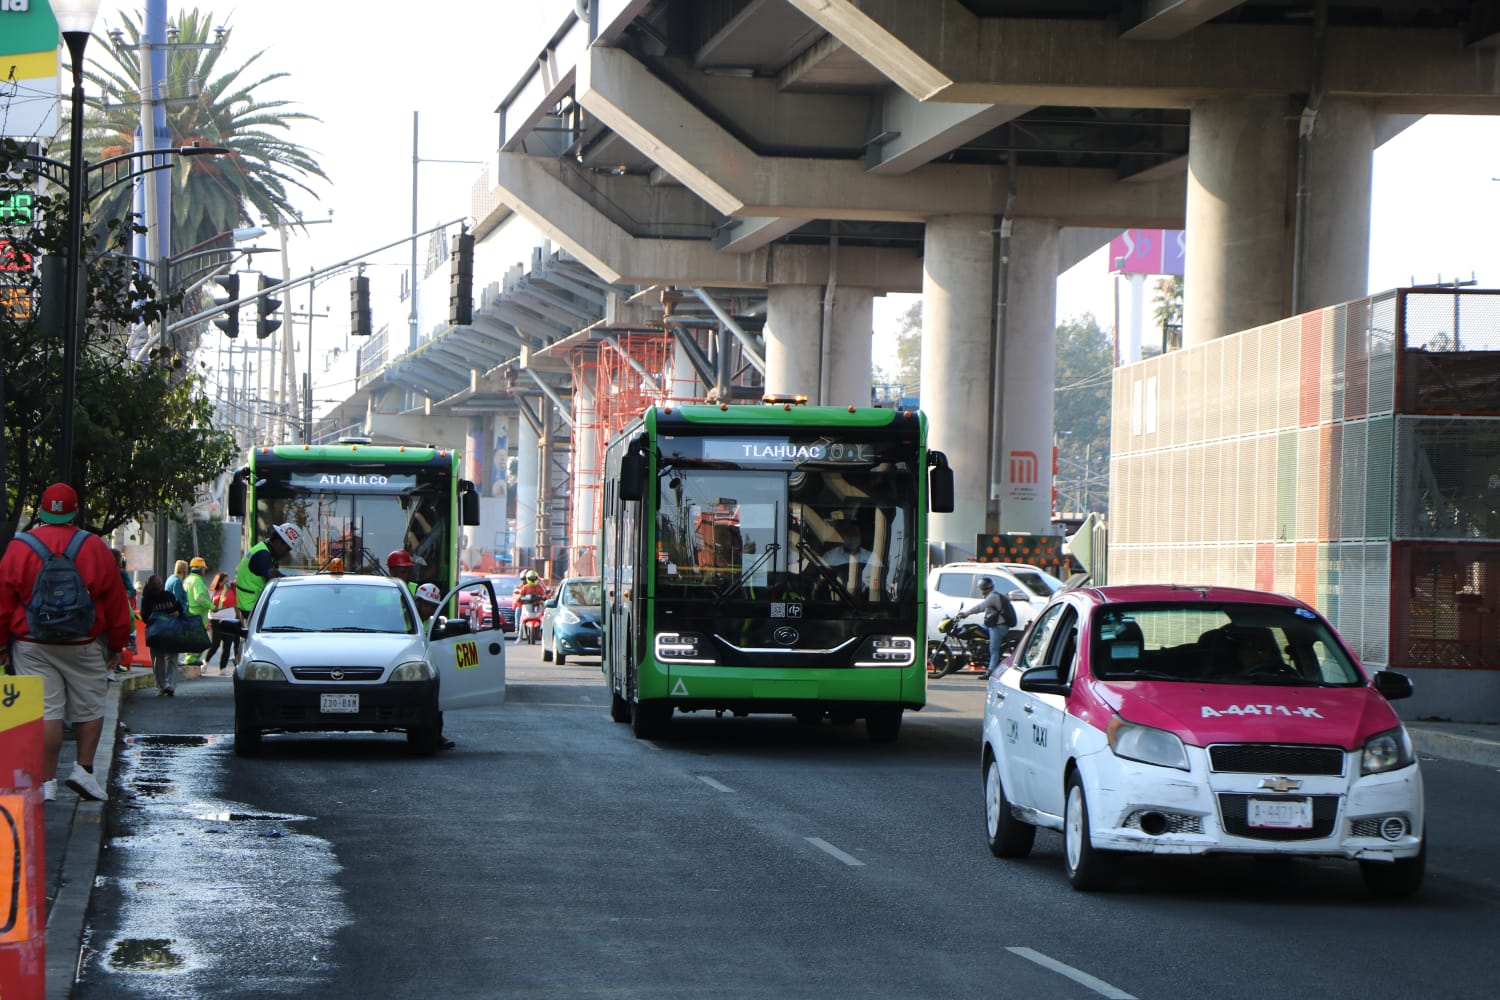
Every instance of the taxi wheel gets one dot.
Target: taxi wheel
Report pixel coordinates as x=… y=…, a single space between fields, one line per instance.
x=423 y=740
x=1395 y=879
x=1008 y=837
x=246 y=738
x=1088 y=869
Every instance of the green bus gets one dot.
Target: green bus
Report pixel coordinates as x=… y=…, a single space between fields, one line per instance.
x=358 y=502
x=768 y=559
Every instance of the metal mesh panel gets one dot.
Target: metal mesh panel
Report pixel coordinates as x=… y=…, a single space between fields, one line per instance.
x=1305 y=582
x=1448 y=473
x=1310 y=373
x=1196 y=390
x=1334 y=493
x=1327 y=360
x=1246 y=490
x=1286 y=569
x=1376 y=597
x=1309 y=483
x=1288 y=368
x=1328 y=580
x=1176 y=489
x=1444 y=373
x=1350 y=620
x=1382 y=354
x=1265 y=491
x=1356 y=360
x=1378 y=448
x=1352 y=487
x=1450 y=615
x=1286 y=486
x=1336 y=374
x=1182 y=398
x=1244 y=566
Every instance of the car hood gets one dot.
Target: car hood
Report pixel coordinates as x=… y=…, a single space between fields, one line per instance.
x=1252 y=713
x=336 y=649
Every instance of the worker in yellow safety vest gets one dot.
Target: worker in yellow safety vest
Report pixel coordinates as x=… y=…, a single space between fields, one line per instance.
x=261 y=565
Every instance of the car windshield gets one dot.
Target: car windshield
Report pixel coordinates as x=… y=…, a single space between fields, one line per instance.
x=581 y=592
x=1220 y=644
x=336 y=607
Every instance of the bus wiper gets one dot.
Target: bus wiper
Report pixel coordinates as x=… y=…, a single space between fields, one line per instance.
x=826 y=573
x=771 y=549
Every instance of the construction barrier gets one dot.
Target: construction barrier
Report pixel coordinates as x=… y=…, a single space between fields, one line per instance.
x=23 y=879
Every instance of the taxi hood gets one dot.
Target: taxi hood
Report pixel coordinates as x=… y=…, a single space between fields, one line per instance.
x=335 y=649
x=1252 y=713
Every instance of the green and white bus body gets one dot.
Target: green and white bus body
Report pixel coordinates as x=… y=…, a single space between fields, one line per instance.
x=357 y=503
x=768 y=559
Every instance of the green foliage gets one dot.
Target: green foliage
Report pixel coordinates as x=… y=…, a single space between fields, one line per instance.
x=143 y=431
x=209 y=537
x=908 y=370
x=1081 y=414
x=1167 y=304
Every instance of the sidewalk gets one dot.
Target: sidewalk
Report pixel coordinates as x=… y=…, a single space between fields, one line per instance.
x=75 y=827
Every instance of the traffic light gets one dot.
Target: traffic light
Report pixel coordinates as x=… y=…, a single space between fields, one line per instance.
x=265 y=306
x=359 y=306
x=461 y=282
x=228 y=291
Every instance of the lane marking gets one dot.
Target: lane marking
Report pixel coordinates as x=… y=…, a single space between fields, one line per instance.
x=1078 y=976
x=828 y=848
x=711 y=783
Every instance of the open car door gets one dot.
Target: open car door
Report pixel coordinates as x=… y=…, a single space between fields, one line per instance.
x=466 y=646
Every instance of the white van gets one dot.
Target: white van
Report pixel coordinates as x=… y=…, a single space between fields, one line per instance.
x=955 y=587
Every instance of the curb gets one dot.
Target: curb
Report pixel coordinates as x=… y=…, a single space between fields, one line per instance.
x=1453 y=746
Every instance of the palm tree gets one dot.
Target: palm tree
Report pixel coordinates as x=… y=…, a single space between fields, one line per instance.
x=213 y=194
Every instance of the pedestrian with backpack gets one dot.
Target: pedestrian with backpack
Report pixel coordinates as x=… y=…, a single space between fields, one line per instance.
x=157 y=601
x=64 y=618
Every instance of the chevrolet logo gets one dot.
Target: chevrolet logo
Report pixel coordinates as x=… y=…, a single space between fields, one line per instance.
x=1281 y=784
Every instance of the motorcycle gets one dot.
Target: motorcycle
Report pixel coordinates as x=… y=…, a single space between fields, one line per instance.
x=529 y=618
x=966 y=645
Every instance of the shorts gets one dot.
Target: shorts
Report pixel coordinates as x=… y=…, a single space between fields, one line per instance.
x=75 y=678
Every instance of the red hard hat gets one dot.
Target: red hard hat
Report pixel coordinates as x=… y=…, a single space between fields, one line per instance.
x=400 y=557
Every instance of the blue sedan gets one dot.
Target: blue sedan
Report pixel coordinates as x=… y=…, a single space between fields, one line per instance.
x=570 y=620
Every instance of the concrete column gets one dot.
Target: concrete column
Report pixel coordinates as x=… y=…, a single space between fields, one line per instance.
x=685 y=385
x=846 y=355
x=1241 y=158
x=1027 y=377
x=1340 y=166
x=794 y=317
x=958 y=365
x=584 y=542
x=528 y=467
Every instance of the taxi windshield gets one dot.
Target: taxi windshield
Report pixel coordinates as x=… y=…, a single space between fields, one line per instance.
x=335 y=607
x=1259 y=644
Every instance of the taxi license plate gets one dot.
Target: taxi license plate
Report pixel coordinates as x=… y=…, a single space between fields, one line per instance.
x=1280 y=814
x=332 y=703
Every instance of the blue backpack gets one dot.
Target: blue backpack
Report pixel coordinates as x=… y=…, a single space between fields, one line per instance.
x=61 y=608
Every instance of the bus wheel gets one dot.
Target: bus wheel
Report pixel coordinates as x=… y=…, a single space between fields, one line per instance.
x=649 y=719
x=883 y=724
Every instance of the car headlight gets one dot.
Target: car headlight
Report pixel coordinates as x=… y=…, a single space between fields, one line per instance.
x=262 y=670
x=566 y=617
x=1387 y=751
x=1146 y=744
x=412 y=670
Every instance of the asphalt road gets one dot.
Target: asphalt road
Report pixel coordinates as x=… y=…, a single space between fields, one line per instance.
x=553 y=855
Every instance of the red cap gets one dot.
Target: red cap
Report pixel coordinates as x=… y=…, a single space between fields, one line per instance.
x=400 y=557
x=59 y=504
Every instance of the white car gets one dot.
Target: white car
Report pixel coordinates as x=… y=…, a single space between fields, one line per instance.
x=1173 y=720
x=346 y=653
x=955 y=587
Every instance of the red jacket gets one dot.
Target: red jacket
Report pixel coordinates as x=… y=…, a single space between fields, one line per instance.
x=96 y=564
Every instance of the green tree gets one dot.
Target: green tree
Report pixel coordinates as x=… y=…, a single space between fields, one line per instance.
x=1081 y=414
x=206 y=103
x=908 y=370
x=143 y=430
x=1168 y=312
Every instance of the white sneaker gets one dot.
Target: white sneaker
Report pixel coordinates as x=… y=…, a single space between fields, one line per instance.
x=85 y=784
x=49 y=790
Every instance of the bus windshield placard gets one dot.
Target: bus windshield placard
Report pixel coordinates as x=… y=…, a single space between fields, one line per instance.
x=767 y=451
x=352 y=482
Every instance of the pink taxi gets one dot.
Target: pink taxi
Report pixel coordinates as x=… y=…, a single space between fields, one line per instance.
x=1196 y=720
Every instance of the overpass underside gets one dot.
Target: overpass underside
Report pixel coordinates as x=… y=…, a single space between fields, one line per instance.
x=805 y=156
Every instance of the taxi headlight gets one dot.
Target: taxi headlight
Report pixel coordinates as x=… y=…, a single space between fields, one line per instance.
x=262 y=670
x=412 y=670
x=1387 y=751
x=1146 y=744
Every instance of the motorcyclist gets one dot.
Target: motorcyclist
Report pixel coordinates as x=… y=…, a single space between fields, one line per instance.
x=528 y=600
x=999 y=617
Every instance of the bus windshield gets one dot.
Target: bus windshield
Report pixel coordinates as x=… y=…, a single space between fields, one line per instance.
x=812 y=534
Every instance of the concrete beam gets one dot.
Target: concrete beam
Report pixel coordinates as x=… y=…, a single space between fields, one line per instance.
x=910 y=134
x=746 y=233
x=1164 y=19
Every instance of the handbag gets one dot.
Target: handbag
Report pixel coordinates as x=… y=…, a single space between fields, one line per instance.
x=176 y=633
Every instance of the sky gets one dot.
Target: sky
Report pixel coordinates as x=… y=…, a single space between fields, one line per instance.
x=1435 y=203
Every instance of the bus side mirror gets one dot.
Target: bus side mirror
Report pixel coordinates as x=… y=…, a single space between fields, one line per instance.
x=237 y=493
x=633 y=471
x=939 y=484
x=468 y=503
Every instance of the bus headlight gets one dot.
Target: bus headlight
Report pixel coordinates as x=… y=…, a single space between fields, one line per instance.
x=682 y=647
x=412 y=670
x=262 y=670
x=887 y=651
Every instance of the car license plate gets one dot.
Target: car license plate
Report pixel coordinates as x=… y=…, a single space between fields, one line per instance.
x=339 y=703
x=1281 y=814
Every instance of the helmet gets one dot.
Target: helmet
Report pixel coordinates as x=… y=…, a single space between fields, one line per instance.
x=428 y=592
x=289 y=534
x=198 y=563
x=399 y=557
x=985 y=583
x=531 y=576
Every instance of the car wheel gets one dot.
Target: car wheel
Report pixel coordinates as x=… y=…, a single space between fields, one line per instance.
x=246 y=737
x=1395 y=879
x=883 y=724
x=558 y=654
x=423 y=740
x=1088 y=869
x=649 y=719
x=546 y=653
x=1008 y=837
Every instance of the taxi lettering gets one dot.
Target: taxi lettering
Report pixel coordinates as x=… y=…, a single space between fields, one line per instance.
x=1298 y=711
x=467 y=654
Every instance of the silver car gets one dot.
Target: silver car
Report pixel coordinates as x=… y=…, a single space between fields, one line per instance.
x=348 y=653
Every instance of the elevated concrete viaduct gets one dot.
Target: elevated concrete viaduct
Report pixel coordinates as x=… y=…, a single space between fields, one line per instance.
x=827 y=151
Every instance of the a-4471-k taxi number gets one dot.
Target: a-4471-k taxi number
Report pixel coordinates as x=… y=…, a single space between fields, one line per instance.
x=1295 y=711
